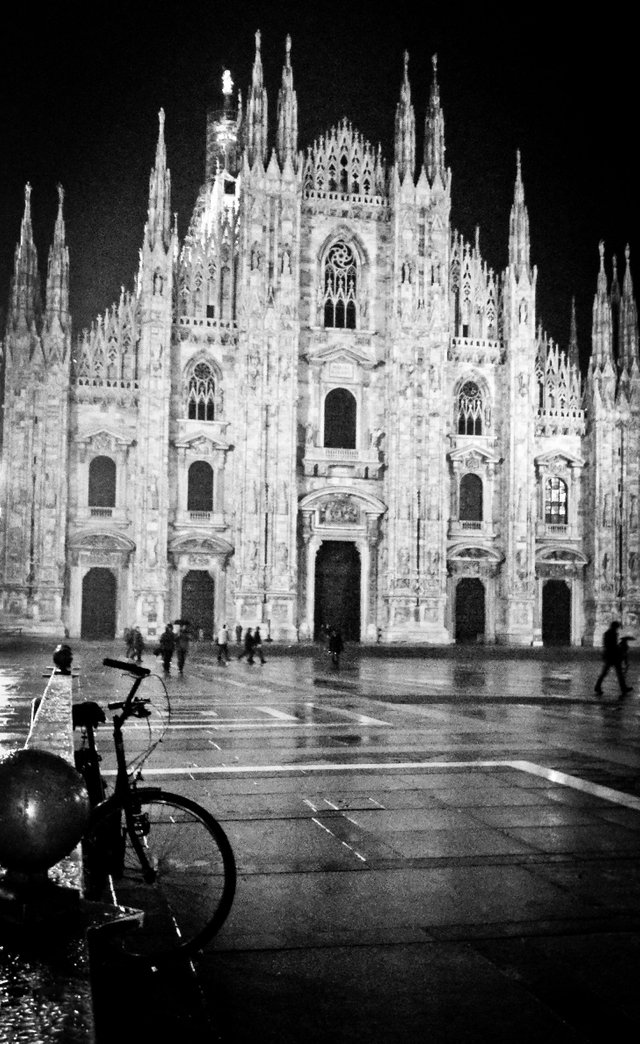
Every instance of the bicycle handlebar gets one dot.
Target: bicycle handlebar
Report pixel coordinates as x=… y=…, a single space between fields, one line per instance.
x=136 y=703
x=126 y=665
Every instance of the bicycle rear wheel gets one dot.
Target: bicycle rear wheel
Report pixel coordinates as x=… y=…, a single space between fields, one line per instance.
x=195 y=874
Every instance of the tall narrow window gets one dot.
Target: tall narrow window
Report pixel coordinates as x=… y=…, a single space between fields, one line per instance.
x=555 y=501
x=200 y=487
x=471 y=498
x=340 y=286
x=102 y=482
x=340 y=419
x=201 y=393
x=470 y=410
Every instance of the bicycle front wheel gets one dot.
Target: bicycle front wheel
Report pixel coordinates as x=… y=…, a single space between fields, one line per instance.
x=194 y=873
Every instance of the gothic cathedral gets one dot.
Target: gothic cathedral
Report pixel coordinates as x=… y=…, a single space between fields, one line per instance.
x=321 y=406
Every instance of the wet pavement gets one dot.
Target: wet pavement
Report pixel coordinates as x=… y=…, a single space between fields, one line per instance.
x=432 y=845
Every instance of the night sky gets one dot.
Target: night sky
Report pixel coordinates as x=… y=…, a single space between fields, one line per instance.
x=81 y=88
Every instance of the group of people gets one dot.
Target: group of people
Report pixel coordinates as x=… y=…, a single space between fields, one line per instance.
x=134 y=643
x=252 y=644
x=171 y=642
x=176 y=642
x=615 y=653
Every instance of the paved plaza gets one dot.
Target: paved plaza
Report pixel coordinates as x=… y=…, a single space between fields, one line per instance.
x=433 y=845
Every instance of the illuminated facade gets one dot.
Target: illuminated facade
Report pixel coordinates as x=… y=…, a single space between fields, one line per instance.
x=319 y=406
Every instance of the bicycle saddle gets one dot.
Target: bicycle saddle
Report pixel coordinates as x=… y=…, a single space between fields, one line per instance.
x=88 y=714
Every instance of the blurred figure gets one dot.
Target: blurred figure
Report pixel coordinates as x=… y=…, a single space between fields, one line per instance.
x=223 y=644
x=138 y=644
x=248 y=646
x=336 y=645
x=238 y=633
x=611 y=658
x=128 y=641
x=166 y=647
x=257 y=647
x=183 y=639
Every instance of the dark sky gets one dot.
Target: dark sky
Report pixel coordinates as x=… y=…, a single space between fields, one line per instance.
x=81 y=87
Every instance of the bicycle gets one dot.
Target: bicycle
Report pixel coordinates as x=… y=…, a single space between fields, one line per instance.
x=147 y=849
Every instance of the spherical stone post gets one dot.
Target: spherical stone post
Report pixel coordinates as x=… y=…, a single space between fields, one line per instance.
x=44 y=810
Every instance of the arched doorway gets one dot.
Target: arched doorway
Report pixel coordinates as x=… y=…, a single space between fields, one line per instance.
x=337 y=602
x=98 y=618
x=470 y=610
x=197 y=601
x=556 y=613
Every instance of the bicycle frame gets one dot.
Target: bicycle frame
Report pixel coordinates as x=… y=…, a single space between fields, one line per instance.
x=124 y=794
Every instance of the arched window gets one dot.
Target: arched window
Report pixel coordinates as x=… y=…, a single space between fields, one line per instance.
x=340 y=419
x=201 y=393
x=200 y=486
x=470 y=409
x=555 y=501
x=102 y=482
x=471 y=498
x=340 y=286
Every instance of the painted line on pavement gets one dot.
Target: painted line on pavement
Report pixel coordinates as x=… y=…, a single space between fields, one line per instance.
x=530 y=767
x=255 y=723
x=362 y=719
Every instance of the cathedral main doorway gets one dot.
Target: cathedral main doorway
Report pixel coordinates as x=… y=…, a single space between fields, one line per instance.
x=556 y=613
x=197 y=601
x=470 y=610
x=98 y=604
x=337 y=588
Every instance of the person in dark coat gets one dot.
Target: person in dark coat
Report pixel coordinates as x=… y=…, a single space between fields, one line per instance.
x=336 y=645
x=183 y=638
x=257 y=647
x=138 y=644
x=611 y=658
x=167 y=645
x=248 y=646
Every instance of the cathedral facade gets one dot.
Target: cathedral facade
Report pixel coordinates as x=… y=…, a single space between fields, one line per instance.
x=321 y=406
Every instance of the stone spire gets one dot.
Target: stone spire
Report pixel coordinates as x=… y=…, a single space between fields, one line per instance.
x=256 y=119
x=628 y=329
x=158 y=227
x=57 y=296
x=25 y=306
x=602 y=324
x=519 y=230
x=434 y=147
x=574 y=356
x=405 y=133
x=287 y=135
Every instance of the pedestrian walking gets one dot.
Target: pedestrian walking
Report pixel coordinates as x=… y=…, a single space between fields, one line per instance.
x=128 y=641
x=223 y=645
x=336 y=645
x=611 y=658
x=238 y=633
x=138 y=644
x=183 y=639
x=166 y=647
x=257 y=646
x=248 y=646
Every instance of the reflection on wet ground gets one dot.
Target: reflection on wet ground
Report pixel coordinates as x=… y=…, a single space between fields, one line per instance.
x=426 y=843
